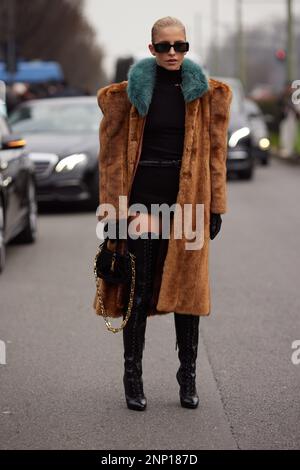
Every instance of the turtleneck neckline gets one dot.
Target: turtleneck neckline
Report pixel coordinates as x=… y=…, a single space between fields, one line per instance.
x=164 y=75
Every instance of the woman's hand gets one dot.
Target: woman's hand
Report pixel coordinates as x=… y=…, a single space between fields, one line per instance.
x=215 y=225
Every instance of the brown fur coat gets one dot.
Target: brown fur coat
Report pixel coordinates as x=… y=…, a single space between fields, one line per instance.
x=182 y=283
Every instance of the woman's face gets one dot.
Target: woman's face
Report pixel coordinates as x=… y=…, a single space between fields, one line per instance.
x=169 y=34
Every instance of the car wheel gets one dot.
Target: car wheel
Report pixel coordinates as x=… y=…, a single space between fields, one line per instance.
x=246 y=174
x=28 y=234
x=2 y=244
x=265 y=161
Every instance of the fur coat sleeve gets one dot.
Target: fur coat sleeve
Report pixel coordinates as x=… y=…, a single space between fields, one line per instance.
x=220 y=101
x=113 y=130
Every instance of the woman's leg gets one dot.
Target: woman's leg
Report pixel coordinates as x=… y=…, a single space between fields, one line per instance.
x=187 y=336
x=146 y=250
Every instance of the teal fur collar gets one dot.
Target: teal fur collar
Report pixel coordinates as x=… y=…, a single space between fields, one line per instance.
x=141 y=81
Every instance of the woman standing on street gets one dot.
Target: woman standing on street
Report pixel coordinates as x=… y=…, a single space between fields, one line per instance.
x=163 y=139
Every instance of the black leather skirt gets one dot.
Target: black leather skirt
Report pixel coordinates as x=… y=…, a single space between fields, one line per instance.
x=155 y=182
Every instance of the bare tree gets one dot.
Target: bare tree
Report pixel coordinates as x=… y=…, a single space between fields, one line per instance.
x=57 y=30
x=260 y=48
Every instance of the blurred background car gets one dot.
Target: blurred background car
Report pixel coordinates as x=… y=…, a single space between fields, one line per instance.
x=62 y=138
x=240 y=157
x=18 y=204
x=259 y=132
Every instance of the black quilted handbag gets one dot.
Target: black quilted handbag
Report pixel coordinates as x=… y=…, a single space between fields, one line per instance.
x=114 y=268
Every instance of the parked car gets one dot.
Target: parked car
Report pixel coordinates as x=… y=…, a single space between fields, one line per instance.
x=240 y=157
x=62 y=137
x=18 y=204
x=259 y=131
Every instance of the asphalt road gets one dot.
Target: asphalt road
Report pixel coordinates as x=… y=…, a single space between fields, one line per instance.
x=61 y=386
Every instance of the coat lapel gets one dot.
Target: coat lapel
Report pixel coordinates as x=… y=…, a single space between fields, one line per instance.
x=141 y=82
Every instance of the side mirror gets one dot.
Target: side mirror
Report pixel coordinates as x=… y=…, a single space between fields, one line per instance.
x=12 y=141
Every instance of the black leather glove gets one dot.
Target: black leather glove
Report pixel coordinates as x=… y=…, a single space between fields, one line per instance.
x=215 y=225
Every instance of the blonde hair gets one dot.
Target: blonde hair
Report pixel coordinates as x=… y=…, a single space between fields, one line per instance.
x=163 y=22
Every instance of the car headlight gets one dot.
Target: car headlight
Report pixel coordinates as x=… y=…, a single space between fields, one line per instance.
x=69 y=163
x=264 y=143
x=238 y=135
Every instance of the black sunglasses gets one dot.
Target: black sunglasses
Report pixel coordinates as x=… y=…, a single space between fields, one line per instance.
x=166 y=46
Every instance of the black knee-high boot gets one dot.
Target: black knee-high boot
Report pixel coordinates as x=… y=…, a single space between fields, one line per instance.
x=187 y=335
x=146 y=251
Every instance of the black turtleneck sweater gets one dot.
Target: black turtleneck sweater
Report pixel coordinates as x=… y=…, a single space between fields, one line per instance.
x=164 y=128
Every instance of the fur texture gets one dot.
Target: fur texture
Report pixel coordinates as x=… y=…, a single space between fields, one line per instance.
x=182 y=281
x=141 y=81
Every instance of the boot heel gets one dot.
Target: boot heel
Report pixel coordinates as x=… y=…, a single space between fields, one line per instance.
x=137 y=401
x=188 y=395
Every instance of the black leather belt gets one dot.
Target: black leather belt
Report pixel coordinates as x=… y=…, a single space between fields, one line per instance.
x=164 y=163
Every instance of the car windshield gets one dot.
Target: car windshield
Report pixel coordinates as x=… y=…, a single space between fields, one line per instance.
x=50 y=117
x=237 y=103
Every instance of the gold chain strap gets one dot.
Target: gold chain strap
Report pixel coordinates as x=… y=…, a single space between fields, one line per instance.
x=129 y=308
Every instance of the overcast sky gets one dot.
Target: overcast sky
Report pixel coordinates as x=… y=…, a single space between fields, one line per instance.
x=123 y=27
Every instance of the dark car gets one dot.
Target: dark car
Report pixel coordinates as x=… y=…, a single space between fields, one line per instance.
x=240 y=157
x=18 y=204
x=62 y=137
x=259 y=131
